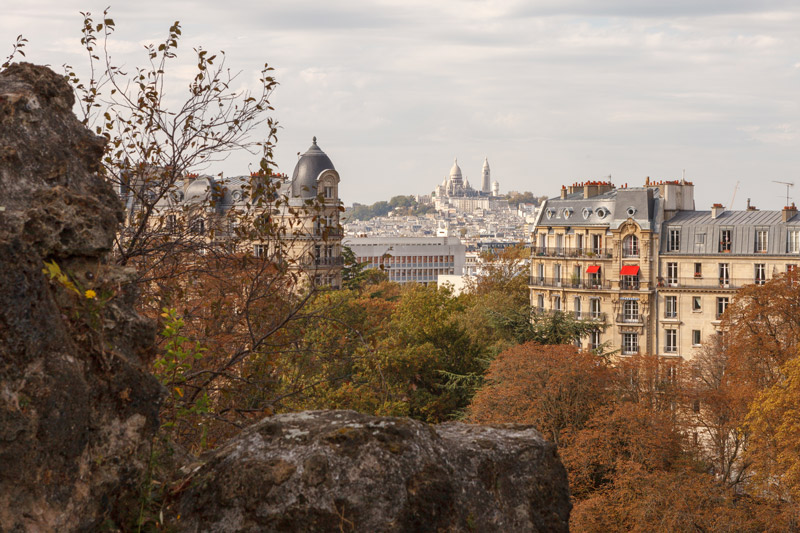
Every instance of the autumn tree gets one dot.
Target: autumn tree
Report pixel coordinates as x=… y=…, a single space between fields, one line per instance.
x=761 y=330
x=554 y=388
x=194 y=261
x=680 y=499
x=716 y=406
x=774 y=426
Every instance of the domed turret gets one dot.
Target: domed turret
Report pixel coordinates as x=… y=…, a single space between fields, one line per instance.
x=455 y=172
x=310 y=165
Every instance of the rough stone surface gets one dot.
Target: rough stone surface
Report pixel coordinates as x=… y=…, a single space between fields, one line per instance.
x=343 y=471
x=76 y=407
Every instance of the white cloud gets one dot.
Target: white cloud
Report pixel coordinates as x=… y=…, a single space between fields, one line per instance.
x=551 y=90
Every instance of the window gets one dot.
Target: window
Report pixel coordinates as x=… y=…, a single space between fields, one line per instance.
x=559 y=243
x=328 y=192
x=579 y=243
x=540 y=272
x=557 y=274
x=700 y=239
x=696 y=305
x=761 y=241
x=725 y=240
x=557 y=303
x=576 y=276
x=542 y=243
x=630 y=343
x=540 y=302
x=594 y=307
x=724 y=275
x=630 y=283
x=630 y=311
x=199 y=226
x=630 y=246
x=791 y=268
x=259 y=250
x=597 y=244
x=793 y=244
x=671 y=341
x=696 y=340
x=698 y=270
x=722 y=305
x=670 y=306
x=172 y=223
x=577 y=307
x=672 y=274
x=594 y=340
x=674 y=242
x=760 y=273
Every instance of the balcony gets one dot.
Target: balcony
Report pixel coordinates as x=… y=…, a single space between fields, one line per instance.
x=629 y=318
x=599 y=253
x=629 y=284
x=588 y=315
x=705 y=283
x=538 y=281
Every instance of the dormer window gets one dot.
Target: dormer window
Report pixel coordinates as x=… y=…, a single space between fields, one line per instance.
x=328 y=192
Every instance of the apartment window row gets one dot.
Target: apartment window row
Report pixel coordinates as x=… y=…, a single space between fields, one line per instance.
x=724 y=272
x=577 y=306
x=761 y=240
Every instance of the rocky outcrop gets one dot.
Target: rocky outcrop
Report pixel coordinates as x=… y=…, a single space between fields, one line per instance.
x=76 y=407
x=343 y=471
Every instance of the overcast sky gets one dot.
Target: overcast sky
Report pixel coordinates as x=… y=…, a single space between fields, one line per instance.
x=551 y=91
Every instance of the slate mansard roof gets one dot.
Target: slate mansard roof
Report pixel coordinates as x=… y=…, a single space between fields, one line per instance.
x=609 y=209
x=701 y=234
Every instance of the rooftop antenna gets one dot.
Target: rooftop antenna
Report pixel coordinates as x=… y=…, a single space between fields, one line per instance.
x=787 y=189
x=736 y=188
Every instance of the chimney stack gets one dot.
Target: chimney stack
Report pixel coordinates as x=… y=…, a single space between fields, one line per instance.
x=717 y=210
x=788 y=212
x=563 y=192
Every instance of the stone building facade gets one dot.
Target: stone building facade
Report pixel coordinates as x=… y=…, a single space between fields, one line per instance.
x=641 y=260
x=302 y=212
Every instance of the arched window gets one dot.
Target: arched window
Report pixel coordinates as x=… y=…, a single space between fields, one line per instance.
x=630 y=246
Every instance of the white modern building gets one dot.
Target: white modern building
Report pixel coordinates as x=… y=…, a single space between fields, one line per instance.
x=410 y=259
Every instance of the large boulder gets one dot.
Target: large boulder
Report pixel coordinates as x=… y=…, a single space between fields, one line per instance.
x=344 y=471
x=77 y=408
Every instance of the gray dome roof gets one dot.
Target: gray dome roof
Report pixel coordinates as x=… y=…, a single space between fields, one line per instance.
x=311 y=164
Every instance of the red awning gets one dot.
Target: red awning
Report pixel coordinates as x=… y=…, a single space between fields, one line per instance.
x=593 y=269
x=629 y=270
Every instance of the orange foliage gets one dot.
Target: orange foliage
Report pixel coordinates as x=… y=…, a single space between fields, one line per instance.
x=550 y=387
